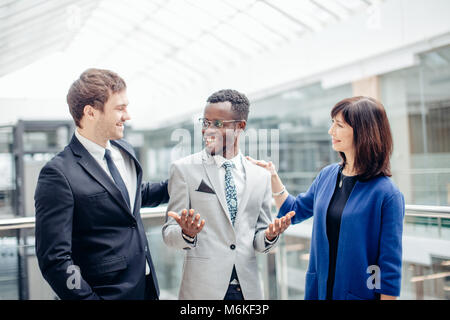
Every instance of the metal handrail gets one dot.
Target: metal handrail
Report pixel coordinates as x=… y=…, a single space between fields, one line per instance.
x=440 y=212
x=29 y=222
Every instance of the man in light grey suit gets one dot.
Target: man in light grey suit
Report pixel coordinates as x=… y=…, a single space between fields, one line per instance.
x=234 y=198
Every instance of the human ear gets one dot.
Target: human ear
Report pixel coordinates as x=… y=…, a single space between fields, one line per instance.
x=242 y=125
x=89 y=111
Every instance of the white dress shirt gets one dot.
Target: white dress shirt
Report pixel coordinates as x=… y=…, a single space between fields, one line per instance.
x=122 y=161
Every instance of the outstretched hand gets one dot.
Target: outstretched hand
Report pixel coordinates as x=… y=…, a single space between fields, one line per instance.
x=269 y=166
x=279 y=226
x=189 y=224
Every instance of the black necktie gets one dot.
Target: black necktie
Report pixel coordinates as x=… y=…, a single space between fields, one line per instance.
x=116 y=176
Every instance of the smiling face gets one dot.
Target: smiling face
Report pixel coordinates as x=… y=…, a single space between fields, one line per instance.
x=341 y=134
x=110 y=122
x=221 y=141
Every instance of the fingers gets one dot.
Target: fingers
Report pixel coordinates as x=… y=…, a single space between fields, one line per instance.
x=200 y=226
x=189 y=221
x=260 y=163
x=271 y=229
x=251 y=159
x=190 y=217
x=285 y=223
x=196 y=219
x=279 y=225
x=183 y=217
x=269 y=232
x=254 y=161
x=174 y=215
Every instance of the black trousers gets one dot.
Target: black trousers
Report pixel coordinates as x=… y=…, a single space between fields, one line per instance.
x=150 y=291
x=234 y=291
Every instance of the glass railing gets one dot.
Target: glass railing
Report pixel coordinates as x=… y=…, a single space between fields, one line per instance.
x=426 y=255
x=426 y=258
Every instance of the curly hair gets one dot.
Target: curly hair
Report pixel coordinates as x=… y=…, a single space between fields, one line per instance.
x=239 y=102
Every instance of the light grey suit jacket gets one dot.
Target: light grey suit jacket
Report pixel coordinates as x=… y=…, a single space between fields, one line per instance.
x=208 y=262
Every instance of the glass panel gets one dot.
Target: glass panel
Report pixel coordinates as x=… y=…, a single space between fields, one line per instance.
x=20 y=277
x=45 y=140
x=296 y=246
x=302 y=117
x=418 y=102
x=168 y=261
x=7 y=174
x=9 y=288
x=427 y=227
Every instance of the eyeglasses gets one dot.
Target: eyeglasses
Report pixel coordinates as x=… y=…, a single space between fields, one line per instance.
x=215 y=123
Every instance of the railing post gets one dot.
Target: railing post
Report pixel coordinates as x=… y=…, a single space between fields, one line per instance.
x=439 y=220
x=281 y=270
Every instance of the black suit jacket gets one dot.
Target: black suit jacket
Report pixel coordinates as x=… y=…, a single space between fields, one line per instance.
x=82 y=220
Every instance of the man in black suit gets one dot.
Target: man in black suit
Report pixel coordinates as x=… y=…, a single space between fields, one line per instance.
x=90 y=239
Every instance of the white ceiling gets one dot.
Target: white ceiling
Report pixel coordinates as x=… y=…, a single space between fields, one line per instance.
x=169 y=46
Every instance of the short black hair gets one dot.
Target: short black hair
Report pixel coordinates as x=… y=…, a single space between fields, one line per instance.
x=239 y=102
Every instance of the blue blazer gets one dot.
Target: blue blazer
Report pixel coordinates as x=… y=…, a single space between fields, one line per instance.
x=370 y=237
x=83 y=220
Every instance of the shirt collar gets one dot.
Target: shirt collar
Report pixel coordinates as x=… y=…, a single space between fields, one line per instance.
x=236 y=161
x=97 y=151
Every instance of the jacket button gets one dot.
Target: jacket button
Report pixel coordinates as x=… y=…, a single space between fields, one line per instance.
x=232 y=247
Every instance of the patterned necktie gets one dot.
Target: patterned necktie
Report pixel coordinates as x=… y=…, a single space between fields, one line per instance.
x=230 y=191
x=116 y=176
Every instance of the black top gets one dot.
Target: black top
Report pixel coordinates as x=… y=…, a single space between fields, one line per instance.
x=342 y=191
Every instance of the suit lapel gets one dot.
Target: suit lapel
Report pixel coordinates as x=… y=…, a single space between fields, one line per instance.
x=130 y=153
x=96 y=171
x=213 y=175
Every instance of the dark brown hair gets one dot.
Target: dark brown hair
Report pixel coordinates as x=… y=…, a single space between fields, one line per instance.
x=92 y=88
x=372 y=136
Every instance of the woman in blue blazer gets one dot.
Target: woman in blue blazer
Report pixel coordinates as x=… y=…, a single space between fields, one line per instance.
x=356 y=244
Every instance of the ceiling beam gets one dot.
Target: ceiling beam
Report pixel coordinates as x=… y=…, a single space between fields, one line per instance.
x=287 y=15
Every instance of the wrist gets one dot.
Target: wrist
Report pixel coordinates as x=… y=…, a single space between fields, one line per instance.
x=269 y=237
x=273 y=174
x=271 y=241
x=279 y=193
x=188 y=235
